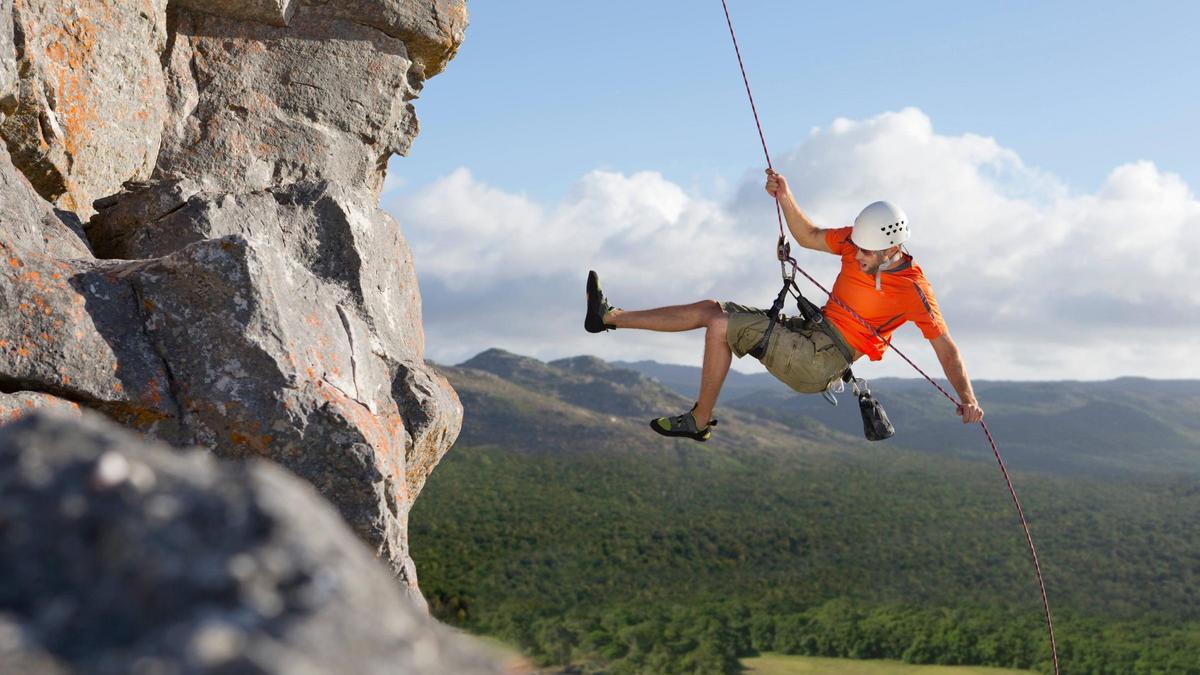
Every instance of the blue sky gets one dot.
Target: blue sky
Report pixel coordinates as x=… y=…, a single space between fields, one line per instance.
x=1039 y=145
x=542 y=92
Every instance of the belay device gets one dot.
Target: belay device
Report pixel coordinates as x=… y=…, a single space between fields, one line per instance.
x=876 y=425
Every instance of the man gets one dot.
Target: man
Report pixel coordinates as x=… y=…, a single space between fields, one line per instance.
x=878 y=280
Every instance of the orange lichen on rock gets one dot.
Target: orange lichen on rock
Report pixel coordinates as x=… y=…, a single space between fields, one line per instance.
x=154 y=392
x=138 y=417
x=258 y=444
x=41 y=304
x=71 y=51
x=14 y=406
x=383 y=432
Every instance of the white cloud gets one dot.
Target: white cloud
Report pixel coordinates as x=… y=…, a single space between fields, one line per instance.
x=392 y=182
x=643 y=226
x=1036 y=281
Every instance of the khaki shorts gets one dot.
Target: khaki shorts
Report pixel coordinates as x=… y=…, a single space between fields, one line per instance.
x=799 y=354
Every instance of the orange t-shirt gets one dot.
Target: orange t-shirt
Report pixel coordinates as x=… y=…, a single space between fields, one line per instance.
x=904 y=295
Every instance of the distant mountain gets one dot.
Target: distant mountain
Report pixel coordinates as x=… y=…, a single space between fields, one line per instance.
x=584 y=402
x=1112 y=428
x=584 y=381
x=686 y=379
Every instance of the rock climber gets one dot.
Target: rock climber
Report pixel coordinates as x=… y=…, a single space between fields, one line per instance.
x=878 y=280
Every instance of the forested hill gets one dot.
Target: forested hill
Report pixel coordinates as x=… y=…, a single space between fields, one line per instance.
x=559 y=521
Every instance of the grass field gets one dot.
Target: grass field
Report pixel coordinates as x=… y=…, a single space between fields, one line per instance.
x=775 y=664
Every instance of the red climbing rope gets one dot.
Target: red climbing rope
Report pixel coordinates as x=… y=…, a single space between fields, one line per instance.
x=995 y=450
x=754 y=109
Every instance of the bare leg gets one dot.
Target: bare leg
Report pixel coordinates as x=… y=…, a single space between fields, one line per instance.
x=717 y=357
x=667 y=319
x=717 y=354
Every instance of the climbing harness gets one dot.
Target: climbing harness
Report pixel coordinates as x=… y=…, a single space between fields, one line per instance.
x=876 y=426
x=789 y=283
x=808 y=311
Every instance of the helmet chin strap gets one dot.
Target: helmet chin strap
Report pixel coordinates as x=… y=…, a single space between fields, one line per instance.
x=887 y=264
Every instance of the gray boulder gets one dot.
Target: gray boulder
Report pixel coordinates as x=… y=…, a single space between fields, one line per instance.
x=254 y=106
x=72 y=328
x=119 y=556
x=289 y=321
x=90 y=100
x=431 y=30
x=29 y=221
x=335 y=236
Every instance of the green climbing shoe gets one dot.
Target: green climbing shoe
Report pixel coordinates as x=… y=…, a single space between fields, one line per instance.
x=597 y=306
x=683 y=425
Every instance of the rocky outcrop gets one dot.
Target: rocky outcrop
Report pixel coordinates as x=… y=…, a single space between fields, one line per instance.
x=15 y=406
x=254 y=105
x=235 y=284
x=273 y=12
x=253 y=94
x=28 y=221
x=72 y=329
x=172 y=562
x=90 y=96
x=8 y=61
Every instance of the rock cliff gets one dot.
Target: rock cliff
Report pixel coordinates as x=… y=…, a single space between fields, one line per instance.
x=190 y=237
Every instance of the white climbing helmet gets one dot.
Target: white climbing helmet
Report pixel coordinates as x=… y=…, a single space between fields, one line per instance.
x=880 y=226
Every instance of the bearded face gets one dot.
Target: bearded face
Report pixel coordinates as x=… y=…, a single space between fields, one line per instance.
x=870 y=261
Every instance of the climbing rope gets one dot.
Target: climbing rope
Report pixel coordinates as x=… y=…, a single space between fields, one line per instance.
x=784 y=258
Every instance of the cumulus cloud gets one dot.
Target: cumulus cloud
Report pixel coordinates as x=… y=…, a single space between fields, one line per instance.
x=1036 y=281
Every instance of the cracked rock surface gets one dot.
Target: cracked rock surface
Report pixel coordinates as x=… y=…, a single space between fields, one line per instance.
x=170 y=561
x=191 y=243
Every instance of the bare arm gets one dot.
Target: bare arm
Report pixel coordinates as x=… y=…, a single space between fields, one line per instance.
x=803 y=230
x=956 y=372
